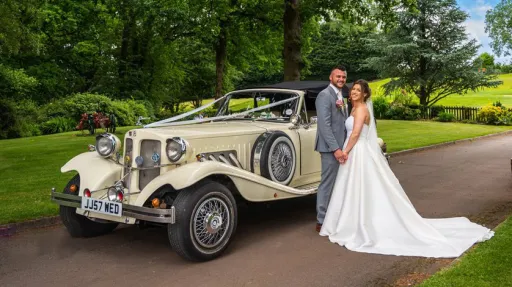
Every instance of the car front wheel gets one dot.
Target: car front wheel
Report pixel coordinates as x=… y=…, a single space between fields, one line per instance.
x=206 y=220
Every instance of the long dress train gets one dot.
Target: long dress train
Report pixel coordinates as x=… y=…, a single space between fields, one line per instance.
x=370 y=212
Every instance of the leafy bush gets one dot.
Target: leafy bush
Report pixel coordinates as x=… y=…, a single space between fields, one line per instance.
x=499 y=105
x=138 y=108
x=402 y=98
x=493 y=115
x=58 y=125
x=8 y=116
x=505 y=118
x=22 y=118
x=166 y=112
x=150 y=109
x=28 y=110
x=209 y=112
x=27 y=129
x=380 y=107
x=445 y=117
x=126 y=111
x=489 y=115
x=54 y=109
x=18 y=119
x=400 y=112
x=78 y=104
x=436 y=110
x=125 y=116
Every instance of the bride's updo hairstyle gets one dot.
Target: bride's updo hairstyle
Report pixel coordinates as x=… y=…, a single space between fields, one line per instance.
x=365 y=88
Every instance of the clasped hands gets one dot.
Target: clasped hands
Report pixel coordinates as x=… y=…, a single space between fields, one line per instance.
x=341 y=156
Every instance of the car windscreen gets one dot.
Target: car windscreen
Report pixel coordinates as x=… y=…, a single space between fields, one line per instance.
x=260 y=105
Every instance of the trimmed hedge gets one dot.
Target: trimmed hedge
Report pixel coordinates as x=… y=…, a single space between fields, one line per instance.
x=24 y=118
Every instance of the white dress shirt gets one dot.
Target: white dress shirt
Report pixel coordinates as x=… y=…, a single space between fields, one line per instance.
x=338 y=92
x=340 y=97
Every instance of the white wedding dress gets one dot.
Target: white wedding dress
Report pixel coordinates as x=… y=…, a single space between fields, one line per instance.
x=370 y=212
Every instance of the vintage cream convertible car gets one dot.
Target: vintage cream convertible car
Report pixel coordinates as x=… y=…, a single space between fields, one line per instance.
x=188 y=172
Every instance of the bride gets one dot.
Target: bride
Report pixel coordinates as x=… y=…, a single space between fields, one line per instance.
x=370 y=212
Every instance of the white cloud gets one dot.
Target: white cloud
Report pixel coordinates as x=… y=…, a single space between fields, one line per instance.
x=476 y=30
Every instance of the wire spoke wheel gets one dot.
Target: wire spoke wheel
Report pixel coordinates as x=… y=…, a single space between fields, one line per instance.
x=281 y=161
x=273 y=156
x=206 y=222
x=211 y=222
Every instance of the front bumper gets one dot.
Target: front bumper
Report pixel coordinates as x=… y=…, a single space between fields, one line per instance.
x=137 y=212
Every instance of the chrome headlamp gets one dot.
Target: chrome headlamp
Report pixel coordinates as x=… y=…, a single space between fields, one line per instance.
x=115 y=193
x=107 y=144
x=175 y=149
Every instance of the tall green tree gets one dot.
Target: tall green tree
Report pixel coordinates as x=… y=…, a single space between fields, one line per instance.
x=498 y=23
x=297 y=13
x=341 y=43
x=429 y=54
x=485 y=60
x=77 y=49
x=110 y=47
x=243 y=30
x=147 y=29
x=19 y=34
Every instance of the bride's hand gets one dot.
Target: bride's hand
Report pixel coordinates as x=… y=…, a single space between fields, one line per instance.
x=344 y=157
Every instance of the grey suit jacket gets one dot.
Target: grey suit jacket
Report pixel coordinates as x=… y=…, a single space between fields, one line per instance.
x=330 y=133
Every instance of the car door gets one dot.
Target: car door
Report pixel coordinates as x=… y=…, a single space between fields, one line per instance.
x=310 y=159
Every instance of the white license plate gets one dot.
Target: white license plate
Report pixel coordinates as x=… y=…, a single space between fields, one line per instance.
x=102 y=206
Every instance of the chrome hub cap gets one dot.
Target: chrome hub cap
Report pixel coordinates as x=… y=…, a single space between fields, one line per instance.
x=211 y=222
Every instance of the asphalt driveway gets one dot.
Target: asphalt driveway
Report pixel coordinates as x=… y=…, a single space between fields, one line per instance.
x=276 y=245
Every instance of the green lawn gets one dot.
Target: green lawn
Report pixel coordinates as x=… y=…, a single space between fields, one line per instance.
x=489 y=264
x=30 y=167
x=402 y=135
x=503 y=93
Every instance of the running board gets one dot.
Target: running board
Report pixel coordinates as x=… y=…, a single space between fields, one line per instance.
x=303 y=189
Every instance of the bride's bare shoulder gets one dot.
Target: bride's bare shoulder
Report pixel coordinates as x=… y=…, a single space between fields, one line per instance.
x=364 y=113
x=361 y=112
x=366 y=110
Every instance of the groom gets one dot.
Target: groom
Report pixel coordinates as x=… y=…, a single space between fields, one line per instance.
x=332 y=112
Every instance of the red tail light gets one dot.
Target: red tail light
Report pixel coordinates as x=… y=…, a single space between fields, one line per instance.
x=87 y=193
x=120 y=196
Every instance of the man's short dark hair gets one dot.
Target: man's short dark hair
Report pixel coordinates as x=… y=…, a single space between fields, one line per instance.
x=339 y=67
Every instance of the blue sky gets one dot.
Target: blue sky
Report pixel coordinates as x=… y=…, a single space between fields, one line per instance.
x=475 y=24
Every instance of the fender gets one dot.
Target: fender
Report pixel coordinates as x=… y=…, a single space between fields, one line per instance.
x=95 y=171
x=251 y=186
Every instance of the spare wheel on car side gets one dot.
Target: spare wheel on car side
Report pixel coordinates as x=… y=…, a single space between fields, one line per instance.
x=273 y=157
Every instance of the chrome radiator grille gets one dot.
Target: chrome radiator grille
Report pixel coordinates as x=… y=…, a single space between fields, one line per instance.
x=128 y=159
x=148 y=148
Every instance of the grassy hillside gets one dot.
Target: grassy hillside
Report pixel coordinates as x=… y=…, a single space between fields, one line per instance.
x=502 y=93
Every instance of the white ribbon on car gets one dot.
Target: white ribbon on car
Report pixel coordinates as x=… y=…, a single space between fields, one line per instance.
x=178 y=117
x=171 y=121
